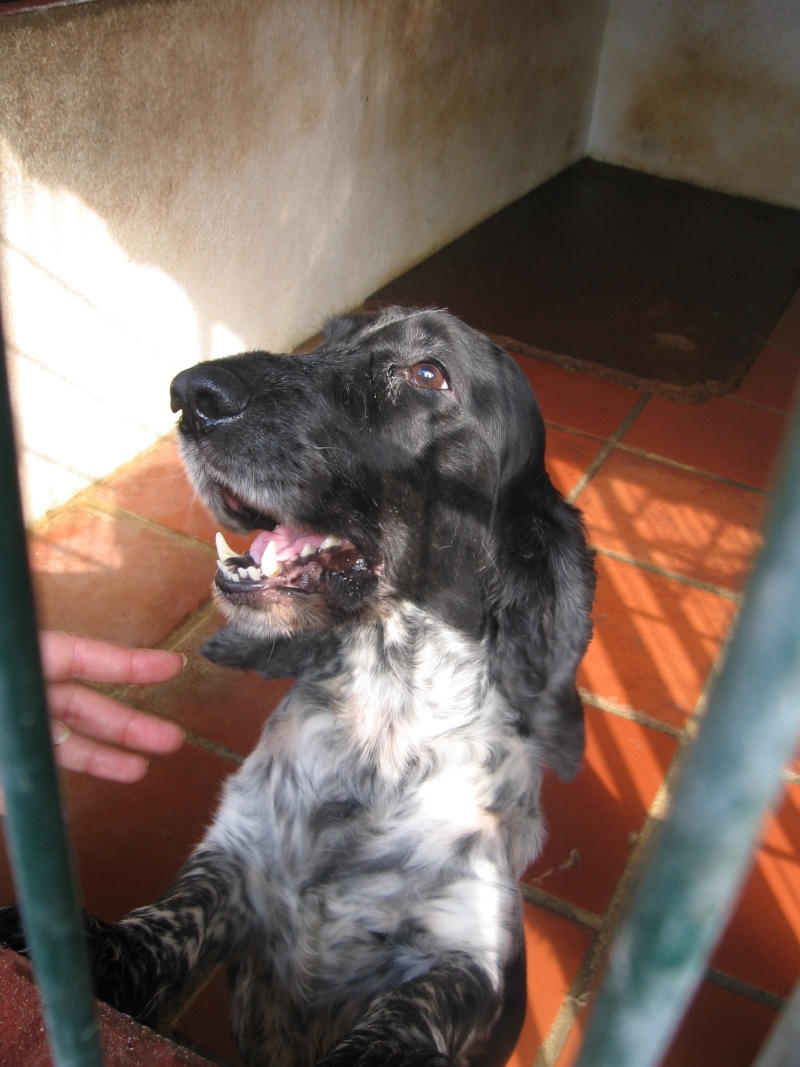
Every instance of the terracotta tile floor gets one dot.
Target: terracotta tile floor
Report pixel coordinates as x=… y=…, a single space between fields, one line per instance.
x=674 y=498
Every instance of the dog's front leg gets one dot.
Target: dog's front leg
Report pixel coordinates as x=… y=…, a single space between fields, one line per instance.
x=279 y=657
x=144 y=960
x=430 y=1021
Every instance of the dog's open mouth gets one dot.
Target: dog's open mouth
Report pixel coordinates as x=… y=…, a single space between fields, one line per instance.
x=286 y=559
x=290 y=559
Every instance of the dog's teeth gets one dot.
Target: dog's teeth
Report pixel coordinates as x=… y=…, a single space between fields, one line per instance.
x=233 y=575
x=306 y=551
x=269 y=561
x=254 y=573
x=331 y=542
x=224 y=550
x=242 y=572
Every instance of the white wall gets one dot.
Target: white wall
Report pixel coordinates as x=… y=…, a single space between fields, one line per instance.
x=707 y=91
x=186 y=178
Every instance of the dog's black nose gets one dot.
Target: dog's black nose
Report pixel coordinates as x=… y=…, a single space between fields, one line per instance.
x=207 y=395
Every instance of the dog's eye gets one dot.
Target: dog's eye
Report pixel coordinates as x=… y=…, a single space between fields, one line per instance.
x=425 y=375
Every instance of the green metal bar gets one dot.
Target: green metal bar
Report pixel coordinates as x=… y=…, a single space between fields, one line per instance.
x=730 y=777
x=35 y=828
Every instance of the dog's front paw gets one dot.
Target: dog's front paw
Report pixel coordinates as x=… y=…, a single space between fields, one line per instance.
x=229 y=648
x=12 y=934
x=361 y=1049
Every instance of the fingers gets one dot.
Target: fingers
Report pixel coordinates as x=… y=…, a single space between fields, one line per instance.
x=88 y=726
x=92 y=732
x=101 y=761
x=65 y=655
x=98 y=718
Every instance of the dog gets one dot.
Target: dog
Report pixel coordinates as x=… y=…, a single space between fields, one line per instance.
x=415 y=570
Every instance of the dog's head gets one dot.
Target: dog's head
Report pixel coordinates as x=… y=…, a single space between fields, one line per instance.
x=402 y=459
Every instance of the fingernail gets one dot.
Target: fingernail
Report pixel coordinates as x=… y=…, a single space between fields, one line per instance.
x=184 y=657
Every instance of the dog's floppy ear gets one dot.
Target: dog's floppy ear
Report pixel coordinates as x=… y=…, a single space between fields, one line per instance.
x=541 y=603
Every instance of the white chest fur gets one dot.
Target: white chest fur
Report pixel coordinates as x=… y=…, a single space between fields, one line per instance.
x=381 y=779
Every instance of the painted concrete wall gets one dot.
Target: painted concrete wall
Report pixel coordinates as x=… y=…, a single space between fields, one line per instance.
x=188 y=178
x=707 y=91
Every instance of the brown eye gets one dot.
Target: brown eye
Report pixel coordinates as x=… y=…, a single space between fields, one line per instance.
x=425 y=376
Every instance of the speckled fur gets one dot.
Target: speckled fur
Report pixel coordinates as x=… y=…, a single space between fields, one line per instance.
x=360 y=878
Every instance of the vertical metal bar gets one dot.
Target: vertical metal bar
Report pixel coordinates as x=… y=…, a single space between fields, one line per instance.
x=35 y=828
x=731 y=775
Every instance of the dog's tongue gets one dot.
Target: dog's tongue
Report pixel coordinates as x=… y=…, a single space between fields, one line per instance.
x=289 y=542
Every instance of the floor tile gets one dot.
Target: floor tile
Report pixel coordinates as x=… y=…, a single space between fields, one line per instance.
x=655 y=641
x=593 y=820
x=761 y=944
x=720 y=1030
x=130 y=840
x=773 y=379
x=155 y=486
x=567 y=457
x=578 y=401
x=723 y=437
x=555 y=951
x=225 y=705
x=671 y=518
x=109 y=576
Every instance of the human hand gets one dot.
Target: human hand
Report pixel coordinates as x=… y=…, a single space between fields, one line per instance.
x=93 y=732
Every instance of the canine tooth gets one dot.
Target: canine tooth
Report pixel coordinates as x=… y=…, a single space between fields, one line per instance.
x=331 y=542
x=254 y=573
x=306 y=550
x=269 y=561
x=224 y=550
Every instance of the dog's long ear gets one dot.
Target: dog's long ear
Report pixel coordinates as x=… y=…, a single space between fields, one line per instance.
x=541 y=601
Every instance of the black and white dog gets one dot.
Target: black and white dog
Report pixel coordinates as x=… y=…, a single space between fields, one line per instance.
x=416 y=571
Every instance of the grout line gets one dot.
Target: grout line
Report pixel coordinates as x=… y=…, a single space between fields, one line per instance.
x=702 y=701
x=664 y=572
x=538 y=898
x=580 y=990
x=631 y=714
x=216 y=748
x=578 y=996
x=743 y=989
x=607 y=449
x=571 y=430
x=185 y=631
x=113 y=510
x=757 y=404
x=693 y=470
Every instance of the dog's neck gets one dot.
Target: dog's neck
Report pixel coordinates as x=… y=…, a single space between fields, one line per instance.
x=409 y=681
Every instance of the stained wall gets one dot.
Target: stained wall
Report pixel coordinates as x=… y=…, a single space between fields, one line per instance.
x=706 y=91
x=183 y=179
